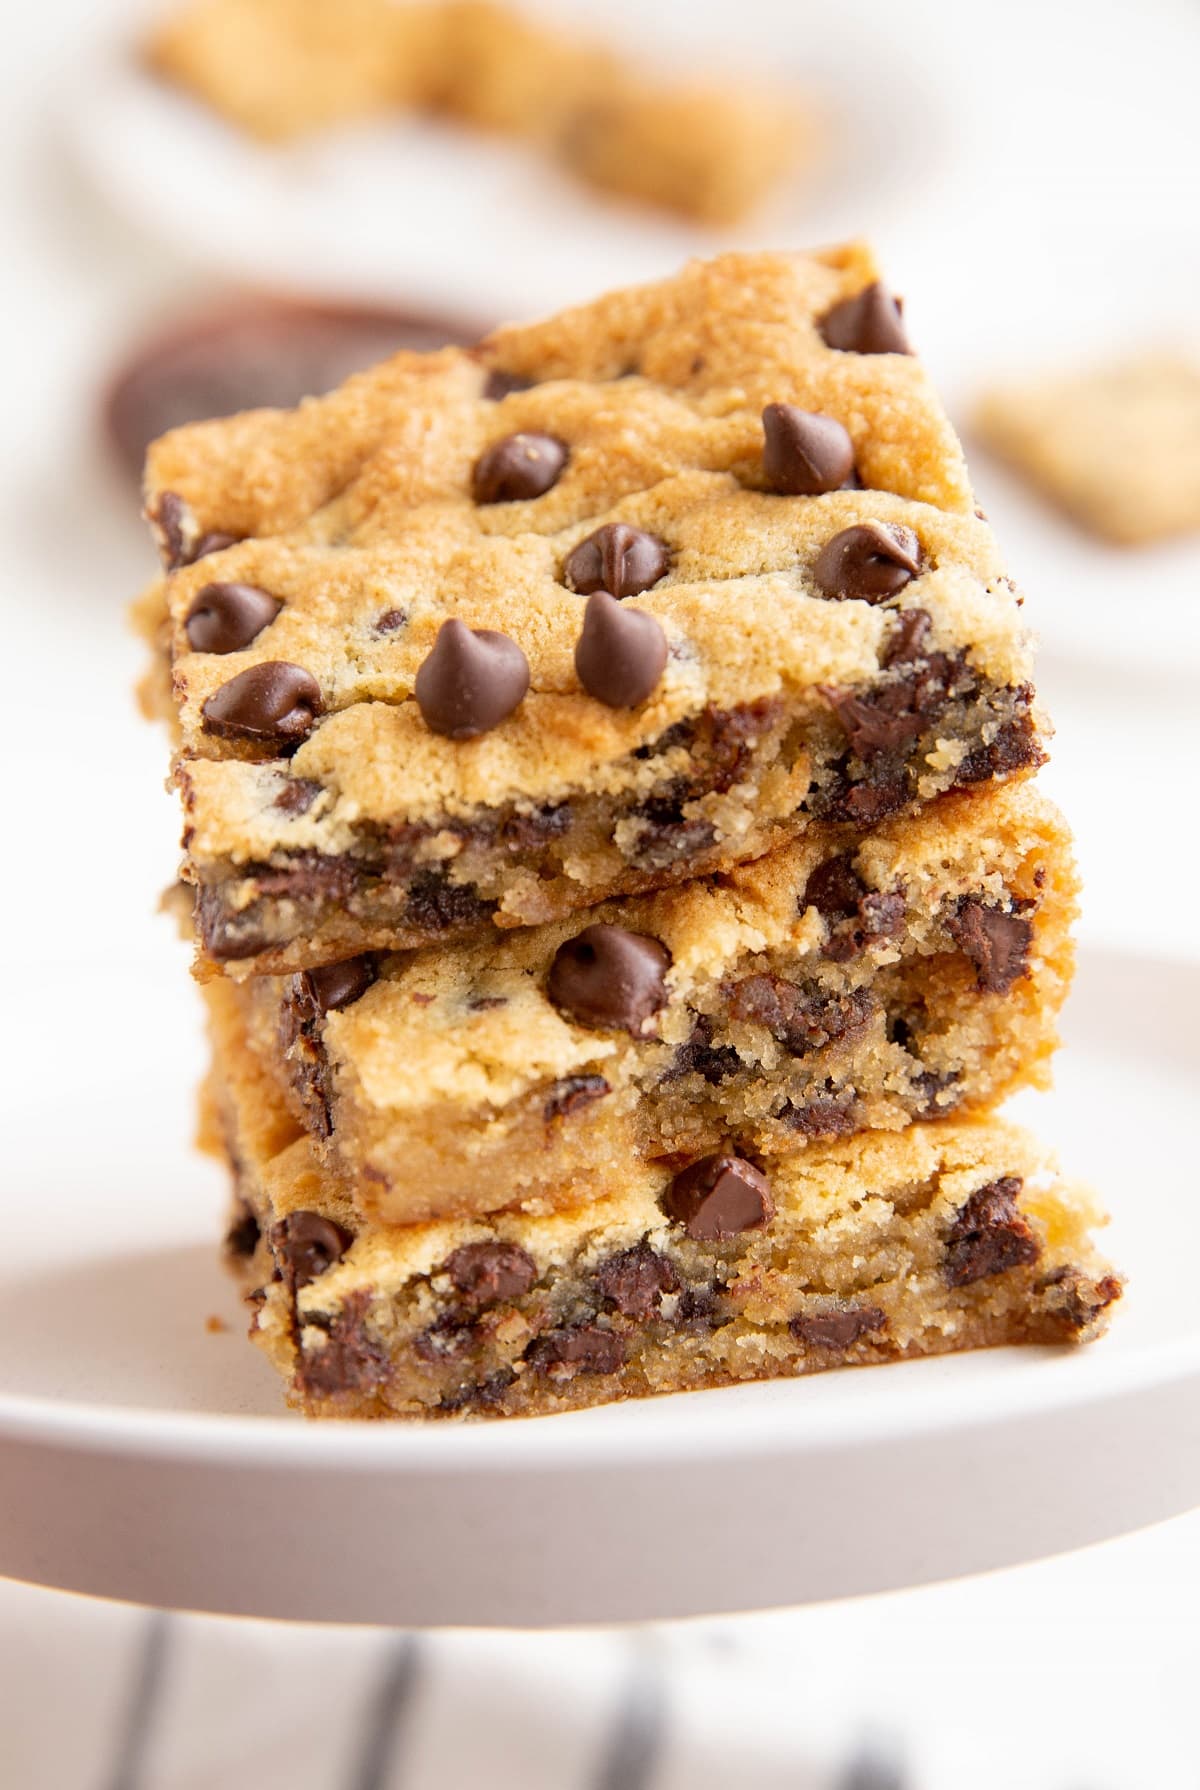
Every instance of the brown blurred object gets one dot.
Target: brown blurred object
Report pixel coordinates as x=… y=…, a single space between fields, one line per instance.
x=1117 y=445
x=245 y=353
x=279 y=69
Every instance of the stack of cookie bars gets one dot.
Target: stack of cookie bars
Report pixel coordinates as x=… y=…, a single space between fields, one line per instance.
x=619 y=889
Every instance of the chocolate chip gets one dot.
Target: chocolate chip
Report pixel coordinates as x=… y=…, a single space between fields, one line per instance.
x=297 y=795
x=621 y=653
x=214 y=540
x=608 y=977
x=989 y=1235
x=305 y=1245
x=804 y=453
x=500 y=385
x=275 y=702
x=486 y=1272
x=871 y=561
x=448 y=1338
x=350 y=1359
x=636 y=1279
x=837 y=1329
x=996 y=943
x=472 y=680
x=576 y=1349
x=572 y=1094
x=868 y=323
x=719 y=1196
x=618 y=559
x=517 y=467
x=802 y=1020
x=172 y=518
x=435 y=905
x=699 y=1308
x=225 y=618
x=391 y=621
x=337 y=985
x=526 y=832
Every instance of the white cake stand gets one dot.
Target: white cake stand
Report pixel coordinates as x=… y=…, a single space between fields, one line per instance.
x=143 y=1455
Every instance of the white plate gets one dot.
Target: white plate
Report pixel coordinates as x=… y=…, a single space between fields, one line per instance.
x=144 y=1457
x=461 y=223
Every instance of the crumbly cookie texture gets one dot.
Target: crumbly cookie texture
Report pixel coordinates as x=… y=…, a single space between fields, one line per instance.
x=838 y=985
x=1118 y=446
x=945 y=1236
x=410 y=702
x=282 y=68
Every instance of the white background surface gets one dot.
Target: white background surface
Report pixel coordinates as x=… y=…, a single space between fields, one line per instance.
x=1059 y=214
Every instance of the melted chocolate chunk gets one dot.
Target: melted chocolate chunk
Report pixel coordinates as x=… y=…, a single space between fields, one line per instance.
x=518 y=467
x=908 y=637
x=882 y=725
x=305 y=1244
x=838 y=1329
x=572 y=1095
x=436 y=905
x=621 y=653
x=448 y=1338
x=621 y=560
x=867 y=323
x=996 y=943
x=858 y=917
x=719 y=1196
x=666 y=834
x=391 y=621
x=273 y=703
x=486 y=1272
x=870 y=561
x=698 y=1055
x=472 y=680
x=242 y=1237
x=636 y=1280
x=698 y=1308
x=608 y=977
x=1079 y=1300
x=297 y=795
x=576 y=1349
x=804 y=453
x=226 y=618
x=484 y=1395
x=350 y=1360
x=831 y=1114
x=525 y=832
x=989 y=1235
x=1016 y=747
x=801 y=1020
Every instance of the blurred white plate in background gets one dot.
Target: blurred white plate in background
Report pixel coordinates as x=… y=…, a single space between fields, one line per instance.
x=144 y=1457
x=455 y=221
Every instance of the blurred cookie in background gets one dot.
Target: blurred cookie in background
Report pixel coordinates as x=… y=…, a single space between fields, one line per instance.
x=708 y=149
x=1117 y=446
x=246 y=352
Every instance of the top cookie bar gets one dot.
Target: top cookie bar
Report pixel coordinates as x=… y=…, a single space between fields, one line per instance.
x=607 y=601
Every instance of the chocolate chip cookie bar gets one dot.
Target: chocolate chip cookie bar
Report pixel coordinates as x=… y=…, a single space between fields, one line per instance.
x=605 y=603
x=941 y=1237
x=280 y=69
x=1117 y=447
x=840 y=984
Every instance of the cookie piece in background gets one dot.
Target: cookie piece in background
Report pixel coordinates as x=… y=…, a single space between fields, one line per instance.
x=1117 y=446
